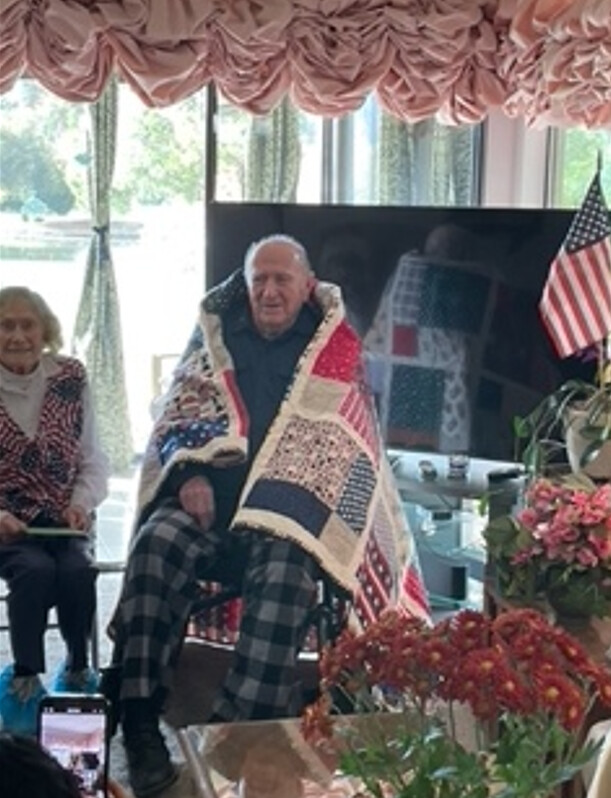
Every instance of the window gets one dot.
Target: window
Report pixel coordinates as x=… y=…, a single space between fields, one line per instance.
x=366 y=158
x=575 y=154
x=157 y=203
x=157 y=216
x=156 y=230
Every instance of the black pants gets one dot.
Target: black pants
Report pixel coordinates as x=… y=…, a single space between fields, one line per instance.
x=45 y=573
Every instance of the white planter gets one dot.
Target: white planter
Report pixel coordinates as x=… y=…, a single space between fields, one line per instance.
x=600 y=466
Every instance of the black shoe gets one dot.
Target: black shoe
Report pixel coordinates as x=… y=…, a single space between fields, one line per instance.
x=148 y=760
x=110 y=687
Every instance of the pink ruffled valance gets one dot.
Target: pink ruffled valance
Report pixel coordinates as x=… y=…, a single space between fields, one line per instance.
x=548 y=61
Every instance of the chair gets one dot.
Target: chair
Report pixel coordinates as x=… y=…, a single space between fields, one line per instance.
x=190 y=701
x=103 y=567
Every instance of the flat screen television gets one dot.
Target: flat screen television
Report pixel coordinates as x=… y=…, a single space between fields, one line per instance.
x=446 y=300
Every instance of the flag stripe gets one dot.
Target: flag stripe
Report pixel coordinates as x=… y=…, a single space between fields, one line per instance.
x=576 y=302
x=580 y=311
x=582 y=283
x=565 y=305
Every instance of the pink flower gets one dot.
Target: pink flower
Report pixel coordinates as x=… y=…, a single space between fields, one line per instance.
x=586 y=558
x=528 y=517
x=566 y=526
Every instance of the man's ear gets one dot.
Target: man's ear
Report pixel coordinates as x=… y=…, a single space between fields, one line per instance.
x=311 y=283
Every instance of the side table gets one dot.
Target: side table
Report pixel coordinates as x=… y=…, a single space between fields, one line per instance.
x=269 y=758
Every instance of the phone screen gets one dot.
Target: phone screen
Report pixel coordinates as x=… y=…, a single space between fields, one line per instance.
x=74 y=730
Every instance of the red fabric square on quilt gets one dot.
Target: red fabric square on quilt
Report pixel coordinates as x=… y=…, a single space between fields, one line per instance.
x=405 y=340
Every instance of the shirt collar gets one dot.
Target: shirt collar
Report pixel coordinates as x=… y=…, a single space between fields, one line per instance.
x=20 y=383
x=241 y=321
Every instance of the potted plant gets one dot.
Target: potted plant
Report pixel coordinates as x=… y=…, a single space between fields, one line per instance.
x=557 y=549
x=526 y=685
x=575 y=309
x=574 y=419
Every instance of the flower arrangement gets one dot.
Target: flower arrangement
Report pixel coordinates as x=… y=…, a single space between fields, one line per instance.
x=558 y=547
x=527 y=684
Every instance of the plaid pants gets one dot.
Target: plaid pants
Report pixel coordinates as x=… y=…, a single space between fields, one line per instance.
x=169 y=554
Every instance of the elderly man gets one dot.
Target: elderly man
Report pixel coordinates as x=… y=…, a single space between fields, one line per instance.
x=264 y=467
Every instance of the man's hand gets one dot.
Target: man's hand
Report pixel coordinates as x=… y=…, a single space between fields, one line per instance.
x=76 y=517
x=11 y=528
x=197 y=498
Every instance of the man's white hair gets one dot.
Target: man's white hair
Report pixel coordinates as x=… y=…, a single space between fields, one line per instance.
x=301 y=255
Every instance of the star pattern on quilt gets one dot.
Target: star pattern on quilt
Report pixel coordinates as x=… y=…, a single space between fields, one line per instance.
x=315 y=454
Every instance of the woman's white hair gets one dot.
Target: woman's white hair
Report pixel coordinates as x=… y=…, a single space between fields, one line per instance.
x=51 y=328
x=301 y=255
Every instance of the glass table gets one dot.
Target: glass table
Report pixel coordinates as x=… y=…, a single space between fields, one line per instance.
x=260 y=759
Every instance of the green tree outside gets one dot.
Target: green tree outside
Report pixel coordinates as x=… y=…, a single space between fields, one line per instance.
x=578 y=157
x=30 y=173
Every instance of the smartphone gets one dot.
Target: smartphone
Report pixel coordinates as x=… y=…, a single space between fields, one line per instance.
x=75 y=730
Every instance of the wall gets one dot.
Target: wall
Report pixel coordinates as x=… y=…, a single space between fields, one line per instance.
x=514 y=171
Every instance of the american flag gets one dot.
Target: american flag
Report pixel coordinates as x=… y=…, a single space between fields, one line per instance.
x=576 y=302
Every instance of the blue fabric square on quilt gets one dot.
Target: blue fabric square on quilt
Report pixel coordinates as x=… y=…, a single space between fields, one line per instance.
x=290 y=500
x=355 y=498
x=416 y=398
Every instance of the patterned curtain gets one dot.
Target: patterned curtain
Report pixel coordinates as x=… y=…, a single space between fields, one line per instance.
x=423 y=163
x=403 y=163
x=97 y=333
x=272 y=170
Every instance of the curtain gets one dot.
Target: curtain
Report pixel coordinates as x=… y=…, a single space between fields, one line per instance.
x=547 y=61
x=423 y=164
x=405 y=162
x=272 y=171
x=97 y=333
x=395 y=162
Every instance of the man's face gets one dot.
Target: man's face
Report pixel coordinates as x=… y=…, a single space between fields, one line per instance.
x=278 y=286
x=21 y=337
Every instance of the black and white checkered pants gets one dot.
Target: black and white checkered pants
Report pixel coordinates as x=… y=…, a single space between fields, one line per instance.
x=169 y=554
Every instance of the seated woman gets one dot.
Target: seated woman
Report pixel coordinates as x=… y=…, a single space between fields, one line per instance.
x=53 y=474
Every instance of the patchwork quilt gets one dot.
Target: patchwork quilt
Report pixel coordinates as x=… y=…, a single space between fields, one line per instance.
x=423 y=350
x=321 y=477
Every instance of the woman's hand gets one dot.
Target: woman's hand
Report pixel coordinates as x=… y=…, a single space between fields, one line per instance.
x=11 y=528
x=76 y=517
x=197 y=498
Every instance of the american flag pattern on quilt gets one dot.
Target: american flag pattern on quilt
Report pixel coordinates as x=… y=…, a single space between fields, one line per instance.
x=320 y=477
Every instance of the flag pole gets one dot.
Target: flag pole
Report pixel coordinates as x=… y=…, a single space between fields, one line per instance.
x=604 y=352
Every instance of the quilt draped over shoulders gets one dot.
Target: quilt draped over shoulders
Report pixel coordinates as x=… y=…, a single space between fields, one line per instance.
x=321 y=477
